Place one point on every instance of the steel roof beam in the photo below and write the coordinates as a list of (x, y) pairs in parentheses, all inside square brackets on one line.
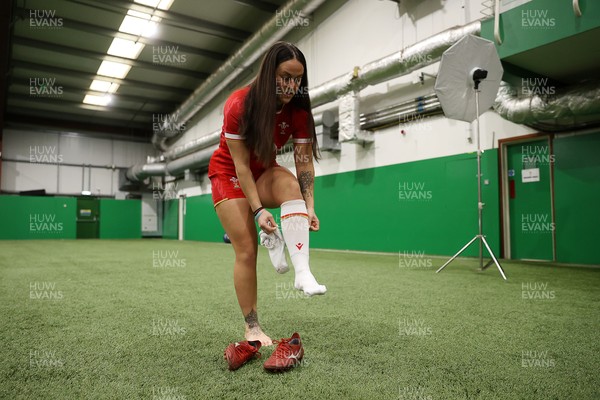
[(169, 18), (90, 76), (103, 31), (62, 49)]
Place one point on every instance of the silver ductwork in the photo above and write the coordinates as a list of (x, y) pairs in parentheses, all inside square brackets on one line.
[(404, 113), (409, 59), (575, 107), (347, 87), (193, 145), (191, 161), (272, 31), (139, 172), (203, 142), (193, 154), (401, 63)]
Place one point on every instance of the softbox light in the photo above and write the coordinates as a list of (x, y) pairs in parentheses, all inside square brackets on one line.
[(454, 83)]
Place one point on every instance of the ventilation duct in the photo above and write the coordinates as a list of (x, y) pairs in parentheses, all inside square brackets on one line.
[(401, 63), (575, 107), (193, 145), (139, 172), (409, 59), (193, 154), (405, 112)]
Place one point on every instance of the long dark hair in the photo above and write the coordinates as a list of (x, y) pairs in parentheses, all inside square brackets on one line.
[(258, 120)]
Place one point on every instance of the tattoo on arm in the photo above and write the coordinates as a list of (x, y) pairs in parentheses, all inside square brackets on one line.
[(251, 319), (306, 180)]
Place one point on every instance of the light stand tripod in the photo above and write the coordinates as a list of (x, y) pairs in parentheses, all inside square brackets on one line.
[(478, 75)]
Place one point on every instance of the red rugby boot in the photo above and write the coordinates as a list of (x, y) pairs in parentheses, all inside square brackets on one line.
[(238, 353), (288, 354)]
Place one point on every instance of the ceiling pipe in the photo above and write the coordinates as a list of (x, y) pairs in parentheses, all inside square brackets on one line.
[(403, 113), (193, 145), (206, 141), (575, 107), (177, 158), (347, 87), (397, 64), (191, 161), (411, 58), (396, 108), (139, 172), (272, 31)]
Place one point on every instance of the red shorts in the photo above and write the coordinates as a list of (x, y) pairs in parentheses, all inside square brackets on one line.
[(225, 187)]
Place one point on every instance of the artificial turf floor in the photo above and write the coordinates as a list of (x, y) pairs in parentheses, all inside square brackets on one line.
[(150, 319)]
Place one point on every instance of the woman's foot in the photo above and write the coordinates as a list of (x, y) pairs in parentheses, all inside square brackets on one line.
[(256, 333), (308, 284)]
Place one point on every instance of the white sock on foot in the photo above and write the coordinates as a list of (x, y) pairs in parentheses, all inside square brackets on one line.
[(294, 226)]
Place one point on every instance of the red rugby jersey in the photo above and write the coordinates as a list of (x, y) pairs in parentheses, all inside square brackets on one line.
[(290, 121)]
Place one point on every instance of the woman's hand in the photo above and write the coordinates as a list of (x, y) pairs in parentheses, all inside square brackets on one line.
[(313, 221), (266, 222)]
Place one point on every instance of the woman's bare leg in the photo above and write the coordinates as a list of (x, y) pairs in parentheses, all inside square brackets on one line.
[(238, 221), (276, 186)]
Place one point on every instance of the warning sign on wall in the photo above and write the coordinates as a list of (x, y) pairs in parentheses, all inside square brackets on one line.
[(530, 175)]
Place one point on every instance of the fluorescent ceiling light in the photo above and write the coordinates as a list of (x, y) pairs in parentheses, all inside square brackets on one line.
[(113, 69), (113, 88), (151, 28), (125, 48), (149, 3), (139, 23), (104, 86), (139, 14), (163, 5), (97, 100), (136, 23), (100, 86)]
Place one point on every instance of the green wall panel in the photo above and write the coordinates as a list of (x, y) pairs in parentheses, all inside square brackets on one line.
[(23, 217), (170, 218), (426, 206), (540, 22), (577, 198), (120, 219), (201, 221)]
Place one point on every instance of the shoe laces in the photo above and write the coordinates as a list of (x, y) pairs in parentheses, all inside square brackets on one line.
[(247, 350), (283, 347)]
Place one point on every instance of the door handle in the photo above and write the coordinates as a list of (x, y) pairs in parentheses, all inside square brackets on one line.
[(511, 189)]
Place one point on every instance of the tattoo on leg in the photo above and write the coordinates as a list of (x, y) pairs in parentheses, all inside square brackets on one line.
[(305, 180), (251, 319)]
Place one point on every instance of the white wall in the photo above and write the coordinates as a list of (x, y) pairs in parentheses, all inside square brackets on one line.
[(60, 162), (362, 31)]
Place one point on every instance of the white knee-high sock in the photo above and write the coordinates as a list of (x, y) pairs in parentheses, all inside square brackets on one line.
[(294, 226)]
